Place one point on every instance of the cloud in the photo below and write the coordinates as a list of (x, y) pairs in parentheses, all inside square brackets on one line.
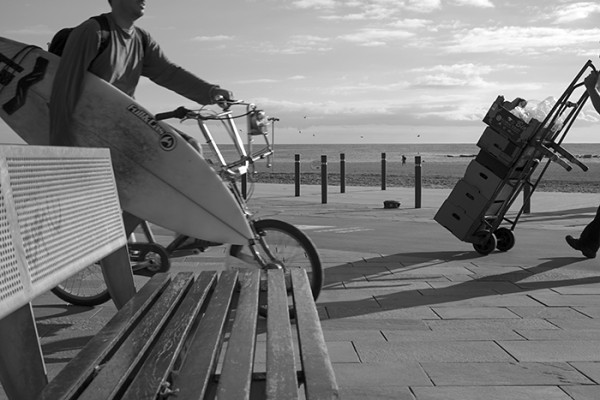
[(318, 4), (518, 40), (34, 30), (216, 38), (376, 37), (423, 6), (475, 3), (455, 75), (574, 12), (300, 44)]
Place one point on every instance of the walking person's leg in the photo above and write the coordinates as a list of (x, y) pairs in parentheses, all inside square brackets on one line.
[(589, 240)]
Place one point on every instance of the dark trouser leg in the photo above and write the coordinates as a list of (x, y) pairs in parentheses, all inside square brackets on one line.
[(590, 236)]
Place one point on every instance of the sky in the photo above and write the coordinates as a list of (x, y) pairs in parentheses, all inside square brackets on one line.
[(357, 71)]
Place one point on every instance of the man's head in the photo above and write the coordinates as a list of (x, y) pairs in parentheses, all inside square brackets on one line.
[(131, 9)]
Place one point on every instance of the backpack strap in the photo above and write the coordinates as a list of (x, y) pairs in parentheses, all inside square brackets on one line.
[(104, 33)]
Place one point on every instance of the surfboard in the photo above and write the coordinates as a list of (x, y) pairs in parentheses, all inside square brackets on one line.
[(160, 177)]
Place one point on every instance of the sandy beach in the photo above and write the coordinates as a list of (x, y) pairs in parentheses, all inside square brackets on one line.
[(433, 174)]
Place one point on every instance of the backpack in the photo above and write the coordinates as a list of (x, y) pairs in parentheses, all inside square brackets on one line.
[(57, 44)]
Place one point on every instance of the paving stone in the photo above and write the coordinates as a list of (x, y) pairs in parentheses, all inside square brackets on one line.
[(474, 312), (373, 375), (490, 393), (399, 285), (593, 289), (564, 300), (366, 324), (583, 392), (374, 335), (451, 335), (407, 299), (573, 324), (437, 351), (491, 288), (487, 324), (376, 312), (559, 334), (590, 369), (498, 373), (376, 393), (342, 352), (554, 350), (548, 312), (593, 312)]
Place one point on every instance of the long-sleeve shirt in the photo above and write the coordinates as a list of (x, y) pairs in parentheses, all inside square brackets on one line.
[(129, 55)]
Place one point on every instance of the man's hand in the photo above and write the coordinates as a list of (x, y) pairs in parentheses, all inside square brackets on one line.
[(218, 94)]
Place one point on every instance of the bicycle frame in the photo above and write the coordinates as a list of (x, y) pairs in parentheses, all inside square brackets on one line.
[(229, 172)]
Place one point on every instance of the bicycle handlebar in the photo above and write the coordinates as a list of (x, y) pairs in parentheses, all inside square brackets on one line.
[(180, 113)]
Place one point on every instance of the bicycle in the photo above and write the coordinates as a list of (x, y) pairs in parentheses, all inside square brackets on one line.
[(275, 243)]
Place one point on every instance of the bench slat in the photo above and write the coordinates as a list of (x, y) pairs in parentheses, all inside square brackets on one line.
[(82, 366), (193, 377), (236, 374), (126, 359), (282, 382), (156, 369), (319, 377)]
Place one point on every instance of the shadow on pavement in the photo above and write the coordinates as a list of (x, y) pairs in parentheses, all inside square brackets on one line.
[(385, 298)]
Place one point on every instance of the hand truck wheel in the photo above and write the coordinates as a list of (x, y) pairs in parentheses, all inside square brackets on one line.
[(505, 239), (486, 244)]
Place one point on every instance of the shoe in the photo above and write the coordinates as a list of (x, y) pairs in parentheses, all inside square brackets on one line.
[(576, 244)]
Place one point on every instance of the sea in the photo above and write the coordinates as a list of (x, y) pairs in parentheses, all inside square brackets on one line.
[(367, 153)]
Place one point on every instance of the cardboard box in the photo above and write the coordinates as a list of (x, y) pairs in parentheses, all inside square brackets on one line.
[(457, 221), (469, 198), (499, 146), (488, 183)]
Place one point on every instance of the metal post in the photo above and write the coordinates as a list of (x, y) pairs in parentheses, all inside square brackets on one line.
[(417, 181), (342, 173), (383, 171), (324, 179), (297, 173)]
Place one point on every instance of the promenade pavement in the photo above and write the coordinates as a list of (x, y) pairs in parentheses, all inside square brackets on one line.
[(410, 312)]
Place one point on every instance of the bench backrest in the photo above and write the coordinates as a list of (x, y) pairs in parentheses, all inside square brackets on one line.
[(59, 213)]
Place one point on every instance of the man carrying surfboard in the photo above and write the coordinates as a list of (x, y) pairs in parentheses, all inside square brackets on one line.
[(130, 53)]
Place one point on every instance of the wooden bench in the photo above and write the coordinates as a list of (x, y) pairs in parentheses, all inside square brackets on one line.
[(186, 335)]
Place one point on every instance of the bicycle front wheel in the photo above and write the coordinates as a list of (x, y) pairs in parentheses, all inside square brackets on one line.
[(85, 288), (282, 244)]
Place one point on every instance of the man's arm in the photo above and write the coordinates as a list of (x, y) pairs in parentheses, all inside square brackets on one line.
[(159, 69), (80, 50)]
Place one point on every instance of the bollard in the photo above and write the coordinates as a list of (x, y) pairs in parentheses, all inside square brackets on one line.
[(297, 174), (383, 171), (342, 173), (417, 181), (323, 179), (527, 198)]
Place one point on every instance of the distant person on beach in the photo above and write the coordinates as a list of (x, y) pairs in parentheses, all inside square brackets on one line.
[(589, 240), (128, 52), (403, 159)]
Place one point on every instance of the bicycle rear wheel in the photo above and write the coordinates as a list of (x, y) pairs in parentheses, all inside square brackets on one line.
[(284, 245), (85, 288)]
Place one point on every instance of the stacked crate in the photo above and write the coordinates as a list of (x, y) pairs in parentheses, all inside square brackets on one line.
[(493, 177)]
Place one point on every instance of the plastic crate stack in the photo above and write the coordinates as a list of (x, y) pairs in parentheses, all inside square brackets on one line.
[(493, 177)]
